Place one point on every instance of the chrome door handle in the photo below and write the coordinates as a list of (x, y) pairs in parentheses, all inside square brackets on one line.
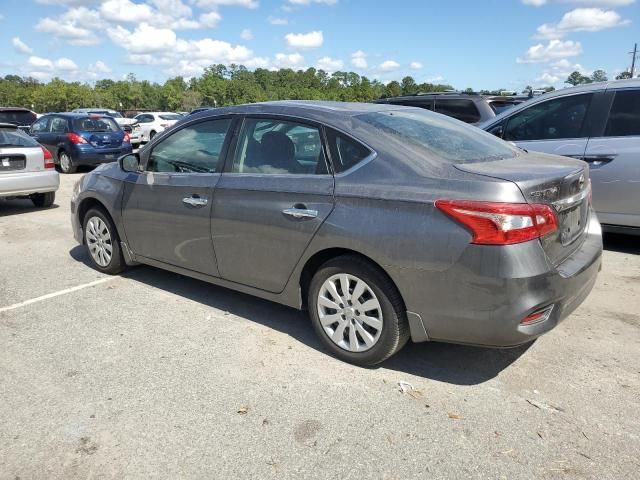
[(300, 213), (195, 201)]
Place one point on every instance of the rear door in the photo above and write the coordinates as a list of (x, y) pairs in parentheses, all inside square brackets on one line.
[(273, 196), (558, 126), (167, 207), (614, 159)]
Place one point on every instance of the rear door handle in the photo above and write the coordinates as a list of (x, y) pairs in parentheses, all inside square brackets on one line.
[(300, 213), (598, 160), (194, 201)]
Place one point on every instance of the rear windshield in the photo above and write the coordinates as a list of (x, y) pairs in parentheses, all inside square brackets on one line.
[(500, 107), (17, 117), (13, 137), (95, 124), (170, 116), (441, 136), (107, 112)]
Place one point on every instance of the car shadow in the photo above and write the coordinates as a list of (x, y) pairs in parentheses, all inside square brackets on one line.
[(618, 242), (456, 364), (20, 206)]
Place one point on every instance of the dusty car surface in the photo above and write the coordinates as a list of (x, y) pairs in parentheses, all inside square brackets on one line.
[(385, 222)]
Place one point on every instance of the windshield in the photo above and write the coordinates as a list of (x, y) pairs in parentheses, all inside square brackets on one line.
[(170, 116), (95, 124), (17, 117), (13, 137), (442, 136)]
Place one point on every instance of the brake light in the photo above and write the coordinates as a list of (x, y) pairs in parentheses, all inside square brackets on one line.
[(75, 138), (127, 138), (48, 158), (538, 316), (493, 223)]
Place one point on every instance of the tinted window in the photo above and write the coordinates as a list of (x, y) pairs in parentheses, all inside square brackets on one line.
[(17, 117), (624, 118), (95, 124), (144, 118), (59, 125), (193, 149), (558, 118), (16, 137), (279, 147), (438, 136), (499, 107), (345, 152), (42, 125), (461, 109)]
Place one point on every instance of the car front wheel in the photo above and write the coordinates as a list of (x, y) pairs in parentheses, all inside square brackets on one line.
[(101, 239), (357, 311)]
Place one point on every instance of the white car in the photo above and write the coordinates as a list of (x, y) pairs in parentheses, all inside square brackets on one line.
[(152, 123), (129, 125), (26, 168)]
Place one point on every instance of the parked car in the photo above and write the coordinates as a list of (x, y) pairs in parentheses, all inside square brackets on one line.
[(129, 125), (152, 123), (598, 123), (21, 117), (26, 168), (385, 222), (469, 108), (76, 139)]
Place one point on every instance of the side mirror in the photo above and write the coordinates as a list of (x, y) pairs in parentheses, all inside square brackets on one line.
[(497, 131), (130, 162)]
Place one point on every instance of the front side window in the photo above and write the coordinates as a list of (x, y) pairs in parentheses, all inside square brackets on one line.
[(461, 109), (345, 152), (624, 117), (42, 125), (193, 149), (551, 120), (279, 147)]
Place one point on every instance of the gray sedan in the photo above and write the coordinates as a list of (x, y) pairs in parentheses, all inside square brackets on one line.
[(386, 223)]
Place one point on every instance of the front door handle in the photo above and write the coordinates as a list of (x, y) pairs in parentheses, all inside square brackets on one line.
[(195, 201), (598, 160), (300, 213)]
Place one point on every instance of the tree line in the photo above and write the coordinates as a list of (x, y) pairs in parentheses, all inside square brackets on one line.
[(219, 85)]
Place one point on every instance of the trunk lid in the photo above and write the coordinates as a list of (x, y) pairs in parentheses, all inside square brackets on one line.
[(102, 132), (548, 179)]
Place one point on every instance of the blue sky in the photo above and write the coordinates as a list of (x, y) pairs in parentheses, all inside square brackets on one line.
[(467, 43)]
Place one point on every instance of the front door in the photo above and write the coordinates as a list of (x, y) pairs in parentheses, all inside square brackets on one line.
[(270, 202), (167, 207)]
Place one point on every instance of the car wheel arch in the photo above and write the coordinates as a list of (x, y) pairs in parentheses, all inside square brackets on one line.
[(87, 204)]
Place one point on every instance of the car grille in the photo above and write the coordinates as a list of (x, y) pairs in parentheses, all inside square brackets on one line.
[(12, 162)]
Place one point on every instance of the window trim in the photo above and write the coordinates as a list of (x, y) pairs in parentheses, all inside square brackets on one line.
[(372, 153), (146, 156), (228, 166)]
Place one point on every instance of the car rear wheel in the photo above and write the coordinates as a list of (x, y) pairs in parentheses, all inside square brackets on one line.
[(101, 239), (357, 311), (66, 164), (43, 200), (151, 135)]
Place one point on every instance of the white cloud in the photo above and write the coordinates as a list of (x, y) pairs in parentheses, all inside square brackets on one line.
[(65, 64), (590, 3), (389, 66), (415, 65), (436, 79), (69, 3), (278, 20), (20, 46), (145, 38), (246, 34), (293, 60), (557, 72), (554, 50), (45, 69), (210, 19), (309, 2), (213, 4), (581, 20), (313, 39), (359, 59), (99, 67), (329, 64), (78, 26)]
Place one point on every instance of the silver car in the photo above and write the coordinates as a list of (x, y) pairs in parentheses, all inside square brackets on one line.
[(26, 168), (384, 222), (598, 123)]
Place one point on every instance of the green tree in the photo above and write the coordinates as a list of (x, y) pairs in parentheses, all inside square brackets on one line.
[(576, 78), (623, 75), (599, 76)]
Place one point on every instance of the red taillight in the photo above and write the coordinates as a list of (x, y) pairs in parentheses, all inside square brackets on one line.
[(127, 138), (493, 223), (75, 138), (48, 158), (538, 316)]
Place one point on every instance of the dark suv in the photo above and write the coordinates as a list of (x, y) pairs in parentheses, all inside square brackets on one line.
[(470, 108), (76, 139)]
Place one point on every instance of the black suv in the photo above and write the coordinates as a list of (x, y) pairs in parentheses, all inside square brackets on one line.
[(470, 108)]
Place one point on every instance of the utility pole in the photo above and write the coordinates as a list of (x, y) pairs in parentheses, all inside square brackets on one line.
[(634, 55)]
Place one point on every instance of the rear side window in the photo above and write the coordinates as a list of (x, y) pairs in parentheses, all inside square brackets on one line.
[(345, 152), (13, 137), (461, 109), (624, 118), (95, 124), (551, 120), (59, 125)]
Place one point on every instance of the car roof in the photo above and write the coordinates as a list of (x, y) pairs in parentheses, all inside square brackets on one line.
[(431, 96), (95, 109), (14, 109), (70, 115)]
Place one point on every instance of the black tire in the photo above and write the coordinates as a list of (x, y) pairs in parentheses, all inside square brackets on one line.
[(43, 200), (66, 163), (395, 327), (116, 263)]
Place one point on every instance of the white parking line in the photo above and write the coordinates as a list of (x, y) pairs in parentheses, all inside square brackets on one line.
[(55, 294)]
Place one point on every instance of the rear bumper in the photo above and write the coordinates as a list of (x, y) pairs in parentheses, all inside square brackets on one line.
[(482, 299), (26, 183), (92, 156)]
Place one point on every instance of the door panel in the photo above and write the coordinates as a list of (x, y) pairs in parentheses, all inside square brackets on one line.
[(574, 147)]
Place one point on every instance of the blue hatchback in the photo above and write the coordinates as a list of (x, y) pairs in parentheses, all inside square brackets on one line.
[(76, 139)]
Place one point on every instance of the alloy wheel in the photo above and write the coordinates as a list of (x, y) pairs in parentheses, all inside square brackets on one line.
[(350, 312), (65, 162), (99, 241)]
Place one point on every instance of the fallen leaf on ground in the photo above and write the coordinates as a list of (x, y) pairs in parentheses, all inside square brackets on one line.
[(243, 410), (455, 416)]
